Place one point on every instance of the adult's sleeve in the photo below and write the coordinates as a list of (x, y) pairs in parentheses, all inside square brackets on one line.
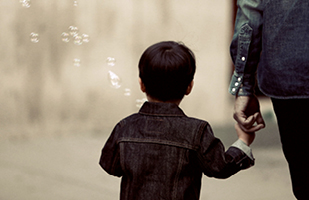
[(246, 46)]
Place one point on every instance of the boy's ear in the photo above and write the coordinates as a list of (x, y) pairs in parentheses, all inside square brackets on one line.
[(190, 86), (142, 86)]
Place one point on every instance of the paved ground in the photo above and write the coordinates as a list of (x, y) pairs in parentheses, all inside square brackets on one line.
[(66, 168)]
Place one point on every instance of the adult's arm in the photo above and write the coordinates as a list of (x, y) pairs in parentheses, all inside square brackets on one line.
[(245, 49)]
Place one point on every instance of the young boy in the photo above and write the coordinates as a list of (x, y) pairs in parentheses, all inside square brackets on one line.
[(159, 152)]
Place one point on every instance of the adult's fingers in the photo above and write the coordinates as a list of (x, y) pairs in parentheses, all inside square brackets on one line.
[(260, 120), (251, 124), (243, 120)]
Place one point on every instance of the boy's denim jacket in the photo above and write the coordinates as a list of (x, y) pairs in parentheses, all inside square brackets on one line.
[(161, 154), (273, 34)]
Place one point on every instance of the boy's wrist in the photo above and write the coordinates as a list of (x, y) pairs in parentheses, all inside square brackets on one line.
[(240, 144), (245, 141), (245, 137)]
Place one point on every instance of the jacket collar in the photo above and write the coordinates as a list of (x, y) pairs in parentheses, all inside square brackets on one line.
[(161, 109)]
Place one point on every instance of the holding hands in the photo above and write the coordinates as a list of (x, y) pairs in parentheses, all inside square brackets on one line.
[(248, 117), (247, 113)]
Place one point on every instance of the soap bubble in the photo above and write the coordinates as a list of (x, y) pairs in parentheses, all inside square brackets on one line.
[(25, 3), (114, 80), (34, 37), (73, 30), (127, 92), (85, 38), (65, 37), (75, 3), (76, 62), (111, 61), (78, 40), (140, 102)]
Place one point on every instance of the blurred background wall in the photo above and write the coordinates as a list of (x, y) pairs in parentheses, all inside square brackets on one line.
[(56, 80)]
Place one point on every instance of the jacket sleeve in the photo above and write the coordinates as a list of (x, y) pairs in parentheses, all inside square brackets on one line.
[(246, 46), (110, 155), (215, 162)]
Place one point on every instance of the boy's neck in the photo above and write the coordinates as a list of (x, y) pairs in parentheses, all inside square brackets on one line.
[(150, 99)]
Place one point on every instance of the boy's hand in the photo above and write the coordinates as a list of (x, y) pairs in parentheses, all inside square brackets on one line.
[(245, 137)]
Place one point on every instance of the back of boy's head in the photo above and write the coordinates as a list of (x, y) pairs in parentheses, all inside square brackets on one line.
[(167, 69)]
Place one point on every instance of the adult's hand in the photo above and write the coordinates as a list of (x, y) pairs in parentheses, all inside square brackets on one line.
[(247, 113)]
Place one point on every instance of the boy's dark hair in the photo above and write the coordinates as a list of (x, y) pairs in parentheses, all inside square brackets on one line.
[(166, 69)]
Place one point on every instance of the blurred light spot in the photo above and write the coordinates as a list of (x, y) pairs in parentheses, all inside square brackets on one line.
[(140, 102), (127, 92), (73, 30), (85, 38), (76, 62), (111, 61), (114, 80), (25, 3), (78, 40), (65, 37), (34, 37)]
